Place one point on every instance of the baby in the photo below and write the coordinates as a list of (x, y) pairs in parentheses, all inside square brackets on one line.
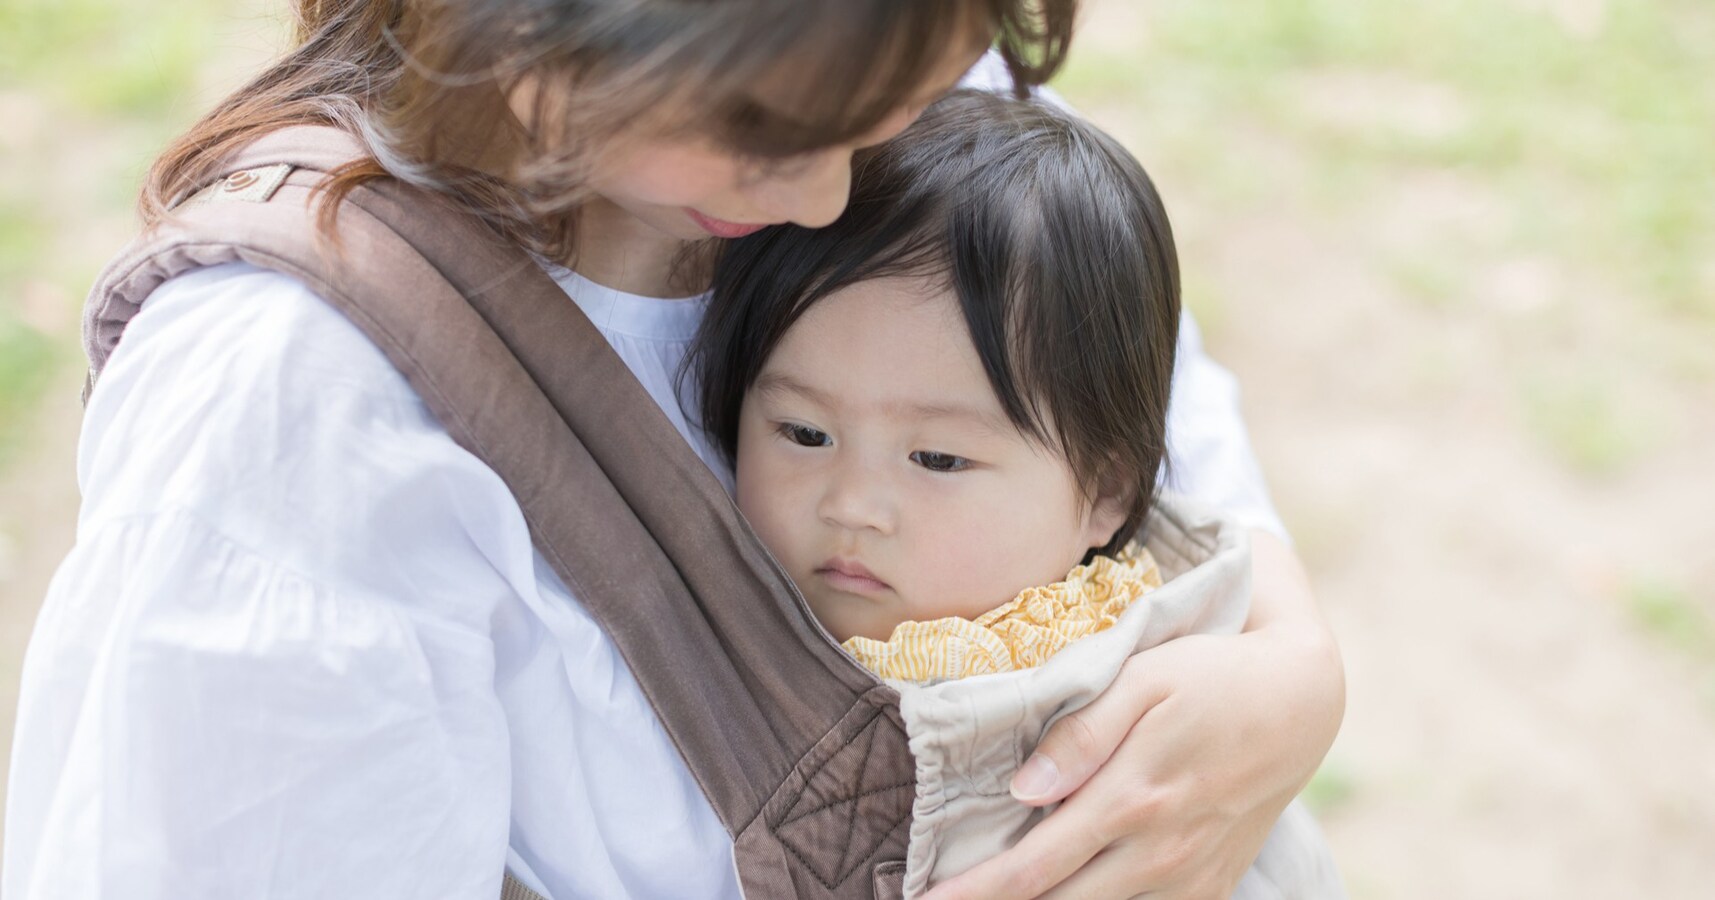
[(947, 413)]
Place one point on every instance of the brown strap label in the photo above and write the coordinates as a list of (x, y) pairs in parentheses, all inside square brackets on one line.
[(255, 185)]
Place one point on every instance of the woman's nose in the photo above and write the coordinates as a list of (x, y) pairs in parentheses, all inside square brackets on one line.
[(856, 499), (815, 195)]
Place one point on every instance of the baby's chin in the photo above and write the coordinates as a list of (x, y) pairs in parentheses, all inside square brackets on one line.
[(846, 616)]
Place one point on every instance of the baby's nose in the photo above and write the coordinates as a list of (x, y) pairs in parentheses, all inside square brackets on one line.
[(857, 501)]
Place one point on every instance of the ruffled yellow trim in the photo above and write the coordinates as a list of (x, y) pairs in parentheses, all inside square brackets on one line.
[(1019, 634)]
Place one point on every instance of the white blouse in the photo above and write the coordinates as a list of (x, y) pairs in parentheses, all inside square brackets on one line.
[(305, 648)]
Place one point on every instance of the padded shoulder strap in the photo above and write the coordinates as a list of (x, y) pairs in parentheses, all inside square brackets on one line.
[(801, 752)]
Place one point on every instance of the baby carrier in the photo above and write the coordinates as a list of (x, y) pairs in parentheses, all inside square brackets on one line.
[(803, 754)]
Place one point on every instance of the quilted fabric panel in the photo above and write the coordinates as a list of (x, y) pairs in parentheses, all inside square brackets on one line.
[(850, 805)]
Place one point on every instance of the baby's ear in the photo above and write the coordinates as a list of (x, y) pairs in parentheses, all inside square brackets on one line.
[(1109, 511)]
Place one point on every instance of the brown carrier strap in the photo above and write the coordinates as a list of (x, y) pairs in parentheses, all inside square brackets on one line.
[(513, 889), (802, 753)]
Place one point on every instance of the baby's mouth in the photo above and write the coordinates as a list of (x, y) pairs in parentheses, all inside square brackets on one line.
[(851, 576)]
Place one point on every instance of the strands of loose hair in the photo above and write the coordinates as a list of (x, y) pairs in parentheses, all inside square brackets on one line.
[(425, 87)]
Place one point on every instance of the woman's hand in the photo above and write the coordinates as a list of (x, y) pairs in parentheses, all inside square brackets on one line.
[(1173, 778)]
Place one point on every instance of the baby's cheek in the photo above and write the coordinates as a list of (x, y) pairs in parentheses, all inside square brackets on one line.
[(958, 563), (762, 503), (1006, 541)]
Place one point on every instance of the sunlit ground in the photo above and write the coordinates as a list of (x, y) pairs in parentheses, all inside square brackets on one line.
[(1462, 257)]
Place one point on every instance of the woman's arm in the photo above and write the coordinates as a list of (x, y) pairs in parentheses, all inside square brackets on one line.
[(262, 670), (1173, 778)]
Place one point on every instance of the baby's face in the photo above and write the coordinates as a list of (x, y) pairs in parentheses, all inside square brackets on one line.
[(876, 463)]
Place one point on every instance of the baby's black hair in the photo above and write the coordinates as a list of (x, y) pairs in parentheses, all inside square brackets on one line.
[(1054, 241)]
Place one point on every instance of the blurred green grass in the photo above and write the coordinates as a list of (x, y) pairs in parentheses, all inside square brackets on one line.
[(27, 356), (1670, 613), (1604, 127), (1331, 788), (1545, 162), (91, 89), (106, 57), (1585, 423)]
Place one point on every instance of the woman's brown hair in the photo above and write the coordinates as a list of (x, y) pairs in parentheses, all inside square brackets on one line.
[(424, 84)]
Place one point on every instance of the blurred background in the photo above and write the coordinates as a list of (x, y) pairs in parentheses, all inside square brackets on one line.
[(1461, 256)]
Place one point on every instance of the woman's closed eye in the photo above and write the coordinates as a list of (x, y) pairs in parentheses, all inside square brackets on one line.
[(936, 461), (803, 435)]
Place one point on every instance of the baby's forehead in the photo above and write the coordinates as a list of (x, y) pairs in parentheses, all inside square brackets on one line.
[(893, 322), (899, 402)]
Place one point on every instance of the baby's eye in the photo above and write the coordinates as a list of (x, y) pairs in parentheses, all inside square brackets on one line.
[(803, 435), (940, 462)]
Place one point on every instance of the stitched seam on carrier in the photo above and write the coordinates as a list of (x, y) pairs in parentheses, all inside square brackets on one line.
[(845, 874), (852, 799)]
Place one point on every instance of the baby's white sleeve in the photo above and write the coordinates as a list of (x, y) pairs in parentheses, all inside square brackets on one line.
[(266, 668)]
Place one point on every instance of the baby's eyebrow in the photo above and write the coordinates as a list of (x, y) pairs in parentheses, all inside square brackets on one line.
[(976, 416), (777, 383)]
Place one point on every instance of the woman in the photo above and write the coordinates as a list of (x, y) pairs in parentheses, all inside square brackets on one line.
[(305, 641)]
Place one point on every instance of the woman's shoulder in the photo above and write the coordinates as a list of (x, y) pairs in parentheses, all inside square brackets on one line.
[(244, 327), (239, 395)]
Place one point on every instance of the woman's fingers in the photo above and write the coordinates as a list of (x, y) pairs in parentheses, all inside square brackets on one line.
[(1055, 848), (1082, 742), (1121, 869), (1173, 778), (1088, 822), (1106, 840)]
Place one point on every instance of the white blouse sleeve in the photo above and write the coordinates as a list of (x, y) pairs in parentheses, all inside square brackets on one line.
[(1208, 450), (266, 668)]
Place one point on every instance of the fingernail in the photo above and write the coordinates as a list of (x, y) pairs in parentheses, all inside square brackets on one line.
[(1035, 779)]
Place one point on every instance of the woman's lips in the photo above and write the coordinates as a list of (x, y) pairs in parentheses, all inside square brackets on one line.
[(851, 576), (723, 229)]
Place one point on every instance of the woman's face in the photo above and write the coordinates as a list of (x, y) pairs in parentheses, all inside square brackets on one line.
[(692, 188)]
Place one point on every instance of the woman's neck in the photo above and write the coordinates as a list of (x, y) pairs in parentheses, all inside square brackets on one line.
[(616, 250)]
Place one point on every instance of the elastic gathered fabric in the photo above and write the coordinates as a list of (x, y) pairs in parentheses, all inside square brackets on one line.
[(1021, 633)]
